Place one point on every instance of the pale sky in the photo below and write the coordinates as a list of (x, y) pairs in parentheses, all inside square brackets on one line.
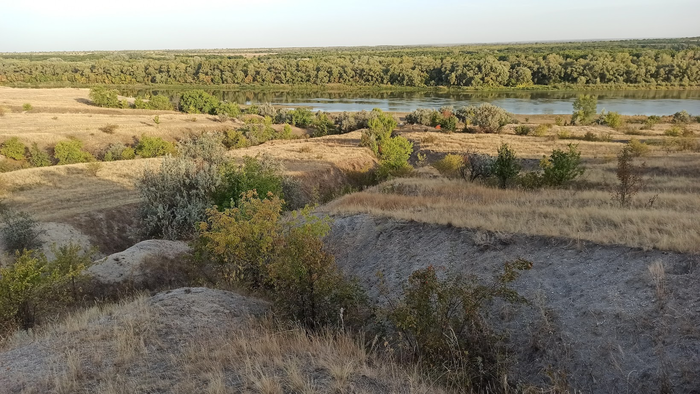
[(81, 25)]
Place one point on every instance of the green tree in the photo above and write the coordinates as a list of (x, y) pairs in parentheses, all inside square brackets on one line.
[(198, 101), (71, 152), (561, 166), (507, 166), (103, 97), (263, 175), (585, 109)]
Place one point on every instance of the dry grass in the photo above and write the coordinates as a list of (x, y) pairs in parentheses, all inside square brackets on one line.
[(657, 272), (577, 214), (131, 347)]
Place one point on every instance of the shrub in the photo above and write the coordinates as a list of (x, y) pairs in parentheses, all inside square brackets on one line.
[(286, 132), (477, 165), (541, 130), (629, 177), (156, 119), (447, 123), (559, 121), (488, 117), (394, 153), (198, 101), (231, 110), (449, 165), (153, 147), (71, 152), (531, 180), (682, 117), (585, 108), (27, 107), (175, 198), (561, 166), (161, 103), (207, 147), (323, 125), (440, 325), (235, 139), (266, 109), (109, 129), (283, 259), (612, 119), (264, 175), (252, 109), (20, 230), (523, 130), (638, 148), (38, 157), (421, 116), (103, 97), (13, 149), (301, 117), (506, 167)]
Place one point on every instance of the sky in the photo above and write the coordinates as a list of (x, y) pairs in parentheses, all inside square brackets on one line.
[(85, 25)]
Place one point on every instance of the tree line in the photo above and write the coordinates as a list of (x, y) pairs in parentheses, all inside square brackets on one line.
[(473, 67)]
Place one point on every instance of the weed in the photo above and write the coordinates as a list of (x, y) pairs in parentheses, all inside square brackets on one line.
[(109, 129), (27, 107)]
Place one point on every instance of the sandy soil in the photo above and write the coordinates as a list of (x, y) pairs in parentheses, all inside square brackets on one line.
[(595, 313)]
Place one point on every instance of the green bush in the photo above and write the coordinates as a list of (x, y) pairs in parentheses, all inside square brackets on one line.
[(206, 147), (266, 109), (559, 121), (421, 116), (523, 130), (198, 102), (103, 97), (13, 149), (282, 259), (488, 117), (176, 197), (650, 122), (637, 148), (153, 147), (612, 119), (394, 153), (231, 110), (323, 125), (71, 152), (27, 107), (682, 117), (541, 130), (302, 117), (20, 230), (264, 175), (441, 328), (38, 157), (507, 166), (449, 165), (585, 109), (161, 103), (561, 166)]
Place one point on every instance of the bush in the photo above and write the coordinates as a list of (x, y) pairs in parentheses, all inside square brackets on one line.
[(263, 175), (477, 165), (207, 147), (198, 102), (20, 230), (421, 116), (650, 122), (449, 165), (561, 166), (323, 125), (637, 148), (488, 117), (231, 110), (27, 107), (559, 121), (542, 129), (301, 117), (38, 157), (585, 109), (682, 117), (283, 259), (153, 147), (447, 123), (523, 130), (109, 129), (267, 109), (176, 198), (440, 326), (103, 97), (394, 153), (235, 139), (13, 149), (71, 152), (161, 103), (612, 119), (506, 167)]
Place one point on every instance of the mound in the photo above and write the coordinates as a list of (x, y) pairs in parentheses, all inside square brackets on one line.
[(606, 318), (57, 235), (129, 264)]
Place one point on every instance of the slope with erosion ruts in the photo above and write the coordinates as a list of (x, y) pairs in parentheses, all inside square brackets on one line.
[(595, 315)]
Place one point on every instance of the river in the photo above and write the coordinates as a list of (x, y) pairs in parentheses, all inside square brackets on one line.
[(627, 102)]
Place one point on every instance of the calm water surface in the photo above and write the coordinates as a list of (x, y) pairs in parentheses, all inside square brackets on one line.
[(629, 102)]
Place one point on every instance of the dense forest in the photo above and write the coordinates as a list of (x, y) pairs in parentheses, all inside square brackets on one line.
[(673, 62)]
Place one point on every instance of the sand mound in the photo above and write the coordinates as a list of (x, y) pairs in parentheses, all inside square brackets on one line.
[(129, 264)]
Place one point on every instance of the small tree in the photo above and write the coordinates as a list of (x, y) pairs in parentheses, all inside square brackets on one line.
[(585, 108), (629, 178), (264, 175), (38, 157), (103, 97), (71, 152), (198, 101), (20, 230), (488, 117), (153, 147), (562, 166), (506, 166), (477, 165)]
